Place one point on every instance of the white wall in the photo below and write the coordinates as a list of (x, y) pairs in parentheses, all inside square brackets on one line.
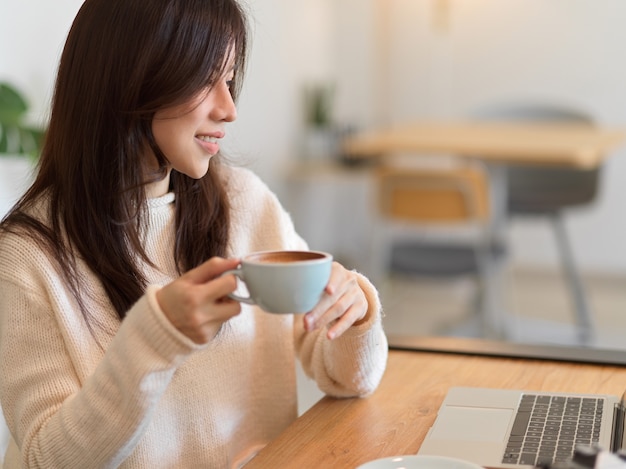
[(564, 51), (291, 46), (32, 33)]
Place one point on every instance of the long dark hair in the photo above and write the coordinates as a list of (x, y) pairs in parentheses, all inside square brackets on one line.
[(123, 60)]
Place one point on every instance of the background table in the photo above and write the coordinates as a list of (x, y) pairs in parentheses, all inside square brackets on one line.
[(565, 145), (497, 144), (343, 433)]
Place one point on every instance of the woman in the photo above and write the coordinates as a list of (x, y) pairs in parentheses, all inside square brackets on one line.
[(119, 346)]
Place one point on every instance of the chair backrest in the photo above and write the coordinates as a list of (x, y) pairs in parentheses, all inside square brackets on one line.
[(539, 189), (533, 113), (432, 222), (432, 195)]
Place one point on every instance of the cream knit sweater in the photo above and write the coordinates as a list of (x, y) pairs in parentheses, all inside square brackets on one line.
[(150, 397)]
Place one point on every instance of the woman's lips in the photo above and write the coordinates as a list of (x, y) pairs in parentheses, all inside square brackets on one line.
[(209, 143)]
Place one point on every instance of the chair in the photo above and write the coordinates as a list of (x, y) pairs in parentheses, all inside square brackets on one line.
[(548, 192), (419, 215)]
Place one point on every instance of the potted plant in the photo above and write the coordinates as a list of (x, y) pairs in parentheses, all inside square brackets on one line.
[(319, 130), (20, 144), (16, 136)]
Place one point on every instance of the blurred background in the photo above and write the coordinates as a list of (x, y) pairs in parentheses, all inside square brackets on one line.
[(323, 69)]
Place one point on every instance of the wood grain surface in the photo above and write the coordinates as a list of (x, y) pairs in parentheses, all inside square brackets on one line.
[(344, 433)]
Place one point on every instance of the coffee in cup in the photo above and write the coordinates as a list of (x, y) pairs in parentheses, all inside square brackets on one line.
[(284, 282)]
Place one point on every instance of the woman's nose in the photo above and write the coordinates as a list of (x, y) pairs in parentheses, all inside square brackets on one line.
[(224, 109)]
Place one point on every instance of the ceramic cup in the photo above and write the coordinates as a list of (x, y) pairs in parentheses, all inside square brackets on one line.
[(284, 282), (419, 461)]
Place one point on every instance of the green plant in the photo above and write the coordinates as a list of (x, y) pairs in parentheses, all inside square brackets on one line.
[(318, 100), (16, 136)]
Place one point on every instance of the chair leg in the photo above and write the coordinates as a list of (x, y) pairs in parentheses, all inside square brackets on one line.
[(379, 256), (581, 307), (491, 314)]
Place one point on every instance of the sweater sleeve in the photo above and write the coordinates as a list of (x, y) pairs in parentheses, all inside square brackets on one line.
[(352, 364), (57, 417)]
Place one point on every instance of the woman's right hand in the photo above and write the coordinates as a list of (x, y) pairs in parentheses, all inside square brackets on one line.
[(197, 303)]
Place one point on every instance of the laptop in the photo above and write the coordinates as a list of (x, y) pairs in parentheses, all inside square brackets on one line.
[(498, 428)]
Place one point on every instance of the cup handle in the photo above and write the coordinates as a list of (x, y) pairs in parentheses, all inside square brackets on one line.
[(239, 274)]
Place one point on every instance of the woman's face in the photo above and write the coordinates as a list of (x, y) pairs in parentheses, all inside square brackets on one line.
[(189, 134)]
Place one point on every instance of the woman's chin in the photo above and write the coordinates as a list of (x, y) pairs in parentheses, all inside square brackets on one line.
[(198, 172)]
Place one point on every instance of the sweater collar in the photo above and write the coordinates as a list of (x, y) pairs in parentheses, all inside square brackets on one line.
[(162, 201)]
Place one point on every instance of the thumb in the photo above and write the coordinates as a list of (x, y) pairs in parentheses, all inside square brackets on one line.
[(210, 269)]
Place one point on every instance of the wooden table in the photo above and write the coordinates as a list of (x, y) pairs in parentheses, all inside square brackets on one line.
[(343, 433), (563, 145)]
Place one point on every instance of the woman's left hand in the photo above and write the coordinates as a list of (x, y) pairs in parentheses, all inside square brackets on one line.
[(342, 304)]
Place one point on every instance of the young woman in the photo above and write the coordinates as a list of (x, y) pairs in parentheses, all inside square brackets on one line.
[(118, 344)]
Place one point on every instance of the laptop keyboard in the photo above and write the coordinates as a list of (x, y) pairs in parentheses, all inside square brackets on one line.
[(547, 428)]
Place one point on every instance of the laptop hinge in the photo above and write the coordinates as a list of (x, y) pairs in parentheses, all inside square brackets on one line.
[(617, 441)]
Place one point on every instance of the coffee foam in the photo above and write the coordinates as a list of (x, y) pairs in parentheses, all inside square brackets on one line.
[(279, 257)]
